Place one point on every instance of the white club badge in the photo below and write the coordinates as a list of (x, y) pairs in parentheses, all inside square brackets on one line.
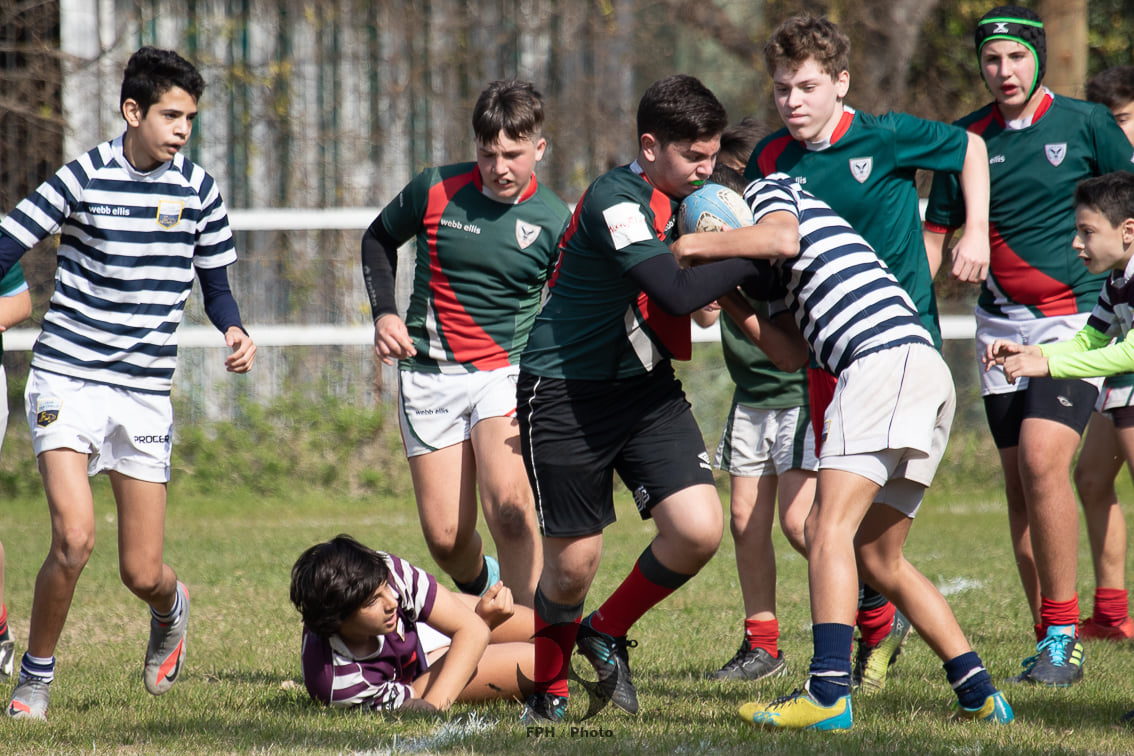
[(526, 233), (860, 168), (1055, 153)]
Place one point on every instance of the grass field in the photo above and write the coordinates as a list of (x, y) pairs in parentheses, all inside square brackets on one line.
[(241, 690)]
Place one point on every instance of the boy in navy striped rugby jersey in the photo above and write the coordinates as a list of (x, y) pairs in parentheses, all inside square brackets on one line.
[(136, 221), (886, 429)]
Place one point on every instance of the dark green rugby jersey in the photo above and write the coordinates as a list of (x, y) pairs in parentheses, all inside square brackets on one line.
[(1034, 272), (597, 324), (759, 383), (867, 176), (479, 269)]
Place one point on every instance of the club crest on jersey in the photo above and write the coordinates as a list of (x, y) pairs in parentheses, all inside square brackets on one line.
[(860, 168), (47, 412), (169, 213), (1055, 152), (526, 233)]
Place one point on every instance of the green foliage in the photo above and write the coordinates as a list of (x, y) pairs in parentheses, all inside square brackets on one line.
[(322, 443)]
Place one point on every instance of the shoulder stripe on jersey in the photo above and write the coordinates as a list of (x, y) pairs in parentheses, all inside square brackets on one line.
[(769, 156), (467, 341)]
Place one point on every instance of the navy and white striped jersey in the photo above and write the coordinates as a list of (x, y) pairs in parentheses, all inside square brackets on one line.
[(845, 301), (128, 245)]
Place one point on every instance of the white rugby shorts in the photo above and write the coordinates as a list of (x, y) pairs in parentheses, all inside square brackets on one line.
[(757, 442), (889, 421), (130, 432), (437, 410), (1114, 397)]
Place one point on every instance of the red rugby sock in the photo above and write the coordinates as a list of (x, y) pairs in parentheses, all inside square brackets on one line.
[(1059, 612), (636, 596), (1111, 606), (763, 634), (553, 647), (875, 624)]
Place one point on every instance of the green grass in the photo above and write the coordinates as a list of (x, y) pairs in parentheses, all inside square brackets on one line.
[(248, 497), (241, 690)]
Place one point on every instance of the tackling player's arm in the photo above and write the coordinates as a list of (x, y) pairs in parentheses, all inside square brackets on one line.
[(379, 267), (778, 337), (680, 291), (775, 236)]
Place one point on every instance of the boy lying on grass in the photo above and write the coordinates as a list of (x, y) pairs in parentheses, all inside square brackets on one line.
[(366, 641)]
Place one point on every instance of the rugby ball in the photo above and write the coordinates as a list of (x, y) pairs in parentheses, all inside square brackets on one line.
[(713, 207)]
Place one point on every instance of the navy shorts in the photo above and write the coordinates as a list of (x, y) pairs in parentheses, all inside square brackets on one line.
[(576, 434), (1068, 401)]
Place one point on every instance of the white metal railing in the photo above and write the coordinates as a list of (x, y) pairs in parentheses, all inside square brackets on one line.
[(327, 334)]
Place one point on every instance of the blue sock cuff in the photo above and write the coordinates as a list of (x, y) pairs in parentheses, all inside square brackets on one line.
[(969, 679), (830, 665), (832, 643), (41, 668)]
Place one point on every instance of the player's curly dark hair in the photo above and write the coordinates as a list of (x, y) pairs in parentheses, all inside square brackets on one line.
[(511, 106), (680, 108), (152, 72), (332, 580), (803, 37)]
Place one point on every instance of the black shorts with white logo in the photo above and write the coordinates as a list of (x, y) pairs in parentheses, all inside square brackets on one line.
[(1068, 401), (576, 434)]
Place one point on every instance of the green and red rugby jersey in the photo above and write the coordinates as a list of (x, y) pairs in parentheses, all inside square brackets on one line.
[(1034, 272), (759, 383), (479, 269), (867, 176), (597, 323)]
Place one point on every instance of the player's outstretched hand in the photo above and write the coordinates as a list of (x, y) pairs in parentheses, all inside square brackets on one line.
[(391, 339), (970, 258), (243, 351), (495, 606), (1000, 350)]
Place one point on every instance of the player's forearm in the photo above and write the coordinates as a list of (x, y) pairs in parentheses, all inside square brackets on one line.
[(466, 647), (379, 269), (1109, 360), (15, 309), (974, 186), (778, 338), (220, 305), (775, 236), (680, 291)]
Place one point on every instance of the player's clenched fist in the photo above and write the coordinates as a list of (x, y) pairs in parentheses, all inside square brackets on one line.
[(495, 605), (243, 351), (391, 339)]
